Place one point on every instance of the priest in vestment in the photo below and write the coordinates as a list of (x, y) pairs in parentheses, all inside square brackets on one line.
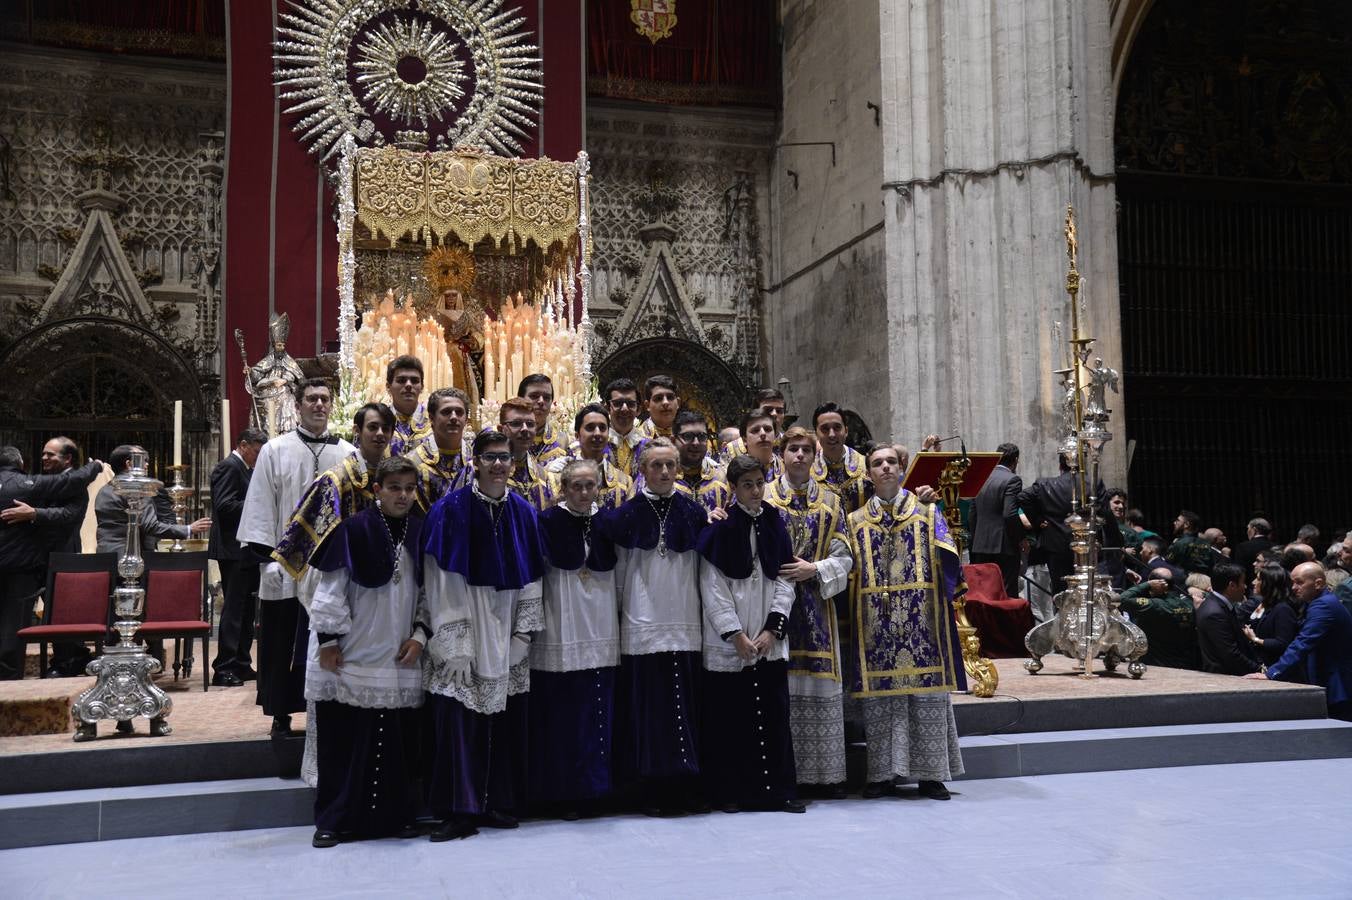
[(621, 400), (482, 568), (904, 658), (528, 476), (592, 427), (771, 400), (662, 401), (701, 477), (656, 570), (839, 467), (819, 571), (537, 390), (404, 382), (575, 658), (363, 676), (747, 744), (443, 465), (285, 468)]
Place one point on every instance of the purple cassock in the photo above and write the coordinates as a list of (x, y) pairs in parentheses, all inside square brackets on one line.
[(482, 568), (657, 735), (573, 663)]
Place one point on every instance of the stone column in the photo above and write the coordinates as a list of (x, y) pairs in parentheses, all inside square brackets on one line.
[(995, 116)]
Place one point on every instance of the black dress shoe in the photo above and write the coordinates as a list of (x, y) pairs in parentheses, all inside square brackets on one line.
[(836, 792), (281, 727), (730, 808), (934, 790), (794, 806), (570, 815), (411, 830), (226, 679), (452, 830), (875, 789), (324, 839), (495, 819)]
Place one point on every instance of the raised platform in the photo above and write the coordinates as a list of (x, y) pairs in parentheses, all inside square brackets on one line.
[(219, 771)]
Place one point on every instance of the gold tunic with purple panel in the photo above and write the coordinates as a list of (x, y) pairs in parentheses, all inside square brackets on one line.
[(410, 431), (849, 480), (439, 473), (906, 576)]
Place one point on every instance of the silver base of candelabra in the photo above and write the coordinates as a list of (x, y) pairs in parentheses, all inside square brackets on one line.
[(124, 690), (1086, 628)]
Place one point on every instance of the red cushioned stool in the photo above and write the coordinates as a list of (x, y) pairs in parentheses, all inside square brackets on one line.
[(176, 607), (1001, 621)]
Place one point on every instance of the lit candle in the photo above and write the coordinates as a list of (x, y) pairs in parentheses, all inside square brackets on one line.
[(225, 428), (178, 432)]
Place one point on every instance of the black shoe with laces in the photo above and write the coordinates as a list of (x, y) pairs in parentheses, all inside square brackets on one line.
[(934, 790)]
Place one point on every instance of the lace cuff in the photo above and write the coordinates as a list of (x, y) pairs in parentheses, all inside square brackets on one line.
[(455, 639)]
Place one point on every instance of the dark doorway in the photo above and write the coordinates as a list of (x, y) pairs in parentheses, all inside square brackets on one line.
[(1234, 153)]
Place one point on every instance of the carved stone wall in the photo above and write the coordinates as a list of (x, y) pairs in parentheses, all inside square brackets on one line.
[(148, 134), (679, 202)]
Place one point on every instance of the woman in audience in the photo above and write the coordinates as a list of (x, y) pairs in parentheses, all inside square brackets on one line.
[(1274, 623)]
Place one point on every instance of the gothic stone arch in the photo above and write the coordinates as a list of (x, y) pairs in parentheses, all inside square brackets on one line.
[(101, 381), (706, 382)]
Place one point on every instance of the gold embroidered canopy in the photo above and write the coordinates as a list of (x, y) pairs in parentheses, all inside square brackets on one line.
[(467, 195)]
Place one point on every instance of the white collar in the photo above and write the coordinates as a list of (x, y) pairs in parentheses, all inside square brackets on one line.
[(754, 515), (310, 434), (651, 496), (575, 513), (474, 485)]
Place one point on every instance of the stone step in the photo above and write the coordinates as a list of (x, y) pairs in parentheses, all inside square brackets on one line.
[(60, 817)]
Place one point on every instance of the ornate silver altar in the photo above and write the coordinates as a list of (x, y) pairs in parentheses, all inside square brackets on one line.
[(1087, 623), (125, 689)]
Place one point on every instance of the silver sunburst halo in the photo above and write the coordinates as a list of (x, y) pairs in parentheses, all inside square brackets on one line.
[(430, 94), (502, 76)]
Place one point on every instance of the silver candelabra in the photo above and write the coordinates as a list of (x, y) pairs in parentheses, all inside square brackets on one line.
[(180, 494), (1087, 623), (124, 688)]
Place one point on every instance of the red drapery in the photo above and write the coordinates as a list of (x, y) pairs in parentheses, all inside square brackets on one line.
[(193, 28), (720, 51), (280, 239)]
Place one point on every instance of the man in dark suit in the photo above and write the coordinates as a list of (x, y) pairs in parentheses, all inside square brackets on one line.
[(59, 527), (1219, 637), (1259, 539), (996, 529), (229, 485), (23, 547), (1047, 504), (1321, 652)]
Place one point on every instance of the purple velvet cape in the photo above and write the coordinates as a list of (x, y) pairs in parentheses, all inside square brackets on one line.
[(561, 534), (727, 543), (360, 545), (459, 535), (634, 524)]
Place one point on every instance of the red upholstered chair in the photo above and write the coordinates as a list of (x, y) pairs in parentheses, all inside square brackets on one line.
[(1001, 621), (176, 607), (77, 602)]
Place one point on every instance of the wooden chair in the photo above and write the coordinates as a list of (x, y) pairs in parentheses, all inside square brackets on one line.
[(177, 607), (77, 604)]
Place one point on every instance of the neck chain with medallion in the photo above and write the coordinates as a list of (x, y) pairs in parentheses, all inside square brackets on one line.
[(396, 546)]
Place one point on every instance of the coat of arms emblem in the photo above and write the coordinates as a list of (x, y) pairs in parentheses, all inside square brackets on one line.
[(654, 18)]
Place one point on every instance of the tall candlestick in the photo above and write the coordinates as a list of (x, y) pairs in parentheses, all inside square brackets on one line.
[(226, 446), (178, 432)]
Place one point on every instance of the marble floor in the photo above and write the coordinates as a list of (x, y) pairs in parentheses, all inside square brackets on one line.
[(1233, 831)]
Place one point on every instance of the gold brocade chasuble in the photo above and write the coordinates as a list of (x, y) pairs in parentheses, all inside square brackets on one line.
[(337, 494), (813, 517), (906, 575)]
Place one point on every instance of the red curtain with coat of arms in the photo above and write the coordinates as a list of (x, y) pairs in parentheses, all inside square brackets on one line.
[(719, 52)]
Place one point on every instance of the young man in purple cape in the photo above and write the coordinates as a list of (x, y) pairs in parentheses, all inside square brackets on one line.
[(748, 748), (574, 660), (657, 738), (368, 628), (482, 569)]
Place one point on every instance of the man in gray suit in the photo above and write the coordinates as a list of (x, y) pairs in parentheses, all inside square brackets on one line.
[(996, 529), (110, 514)]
